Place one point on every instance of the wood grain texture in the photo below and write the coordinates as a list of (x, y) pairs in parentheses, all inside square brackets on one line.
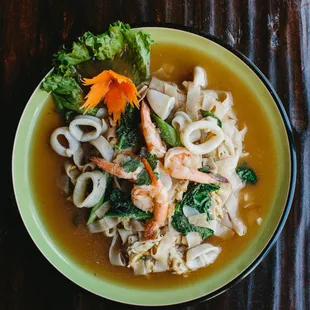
[(274, 34)]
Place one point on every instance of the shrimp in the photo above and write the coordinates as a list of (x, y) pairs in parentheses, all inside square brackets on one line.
[(151, 136), (115, 168), (160, 211), (141, 197), (184, 165), (153, 197)]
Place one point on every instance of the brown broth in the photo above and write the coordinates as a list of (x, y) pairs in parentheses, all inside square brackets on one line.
[(67, 224)]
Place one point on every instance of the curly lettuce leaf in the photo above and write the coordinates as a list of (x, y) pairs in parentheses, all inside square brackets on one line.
[(106, 45), (66, 62), (137, 53), (67, 94)]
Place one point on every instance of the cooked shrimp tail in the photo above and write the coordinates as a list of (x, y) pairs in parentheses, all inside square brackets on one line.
[(152, 139), (151, 229), (183, 165), (114, 168)]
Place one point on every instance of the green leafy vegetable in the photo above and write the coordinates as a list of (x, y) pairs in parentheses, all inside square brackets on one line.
[(205, 169), (209, 113), (121, 206), (247, 174), (104, 198), (128, 132), (152, 159), (108, 44), (182, 225), (66, 92), (143, 177), (131, 164), (196, 197), (167, 132), (66, 62), (137, 53), (93, 215)]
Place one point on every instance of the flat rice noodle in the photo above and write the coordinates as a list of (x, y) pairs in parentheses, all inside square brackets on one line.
[(139, 268), (177, 262), (193, 239), (220, 230), (161, 103), (124, 234), (157, 84), (231, 206), (200, 77), (163, 72), (171, 90), (193, 101), (181, 97), (189, 211), (165, 244), (235, 181), (226, 167), (209, 99), (110, 232), (160, 266), (139, 248), (132, 239), (126, 222), (104, 224), (103, 209), (199, 219), (115, 256), (137, 226), (142, 92), (222, 151)]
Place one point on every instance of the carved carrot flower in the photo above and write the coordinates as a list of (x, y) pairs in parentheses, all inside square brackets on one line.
[(115, 89)]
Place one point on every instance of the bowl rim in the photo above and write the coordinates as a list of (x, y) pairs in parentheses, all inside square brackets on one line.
[(291, 146)]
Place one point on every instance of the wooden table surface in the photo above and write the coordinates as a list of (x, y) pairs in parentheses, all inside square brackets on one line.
[(274, 34)]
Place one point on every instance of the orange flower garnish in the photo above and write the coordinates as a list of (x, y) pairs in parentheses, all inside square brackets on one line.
[(116, 90)]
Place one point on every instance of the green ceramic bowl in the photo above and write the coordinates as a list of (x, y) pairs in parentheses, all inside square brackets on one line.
[(228, 275)]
